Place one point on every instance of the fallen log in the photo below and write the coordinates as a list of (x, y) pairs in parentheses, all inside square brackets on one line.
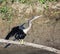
[(32, 45)]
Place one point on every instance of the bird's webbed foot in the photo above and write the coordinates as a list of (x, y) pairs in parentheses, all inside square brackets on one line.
[(21, 41)]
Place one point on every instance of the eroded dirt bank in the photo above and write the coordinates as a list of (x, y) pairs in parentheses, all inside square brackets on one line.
[(45, 31)]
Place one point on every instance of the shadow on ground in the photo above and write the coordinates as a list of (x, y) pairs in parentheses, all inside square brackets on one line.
[(23, 50)]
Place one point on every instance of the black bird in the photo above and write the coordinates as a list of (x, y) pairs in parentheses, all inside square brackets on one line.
[(17, 32), (20, 31)]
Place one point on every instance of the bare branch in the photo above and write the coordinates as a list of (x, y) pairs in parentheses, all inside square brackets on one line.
[(32, 45)]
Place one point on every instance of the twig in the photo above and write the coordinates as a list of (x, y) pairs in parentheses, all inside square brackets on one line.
[(32, 45), (57, 6)]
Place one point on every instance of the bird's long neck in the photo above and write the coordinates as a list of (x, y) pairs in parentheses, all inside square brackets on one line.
[(27, 29), (30, 24)]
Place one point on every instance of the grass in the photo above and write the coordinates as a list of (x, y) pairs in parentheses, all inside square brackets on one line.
[(44, 1), (6, 11)]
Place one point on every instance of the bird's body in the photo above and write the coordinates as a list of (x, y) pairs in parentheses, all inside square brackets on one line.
[(17, 33), (20, 31)]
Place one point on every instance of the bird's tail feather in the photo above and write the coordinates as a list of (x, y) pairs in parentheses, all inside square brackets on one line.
[(8, 44)]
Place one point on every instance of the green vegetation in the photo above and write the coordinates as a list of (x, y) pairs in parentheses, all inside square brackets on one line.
[(1, 1), (6, 12), (44, 1), (22, 1), (27, 1)]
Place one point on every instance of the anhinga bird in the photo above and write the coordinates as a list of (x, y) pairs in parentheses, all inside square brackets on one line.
[(20, 31)]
